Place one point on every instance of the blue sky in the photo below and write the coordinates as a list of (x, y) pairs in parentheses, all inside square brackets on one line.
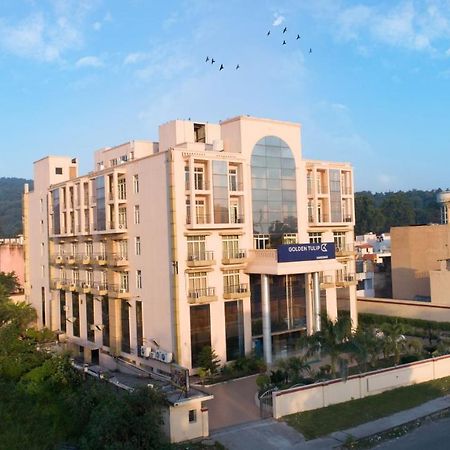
[(76, 75)]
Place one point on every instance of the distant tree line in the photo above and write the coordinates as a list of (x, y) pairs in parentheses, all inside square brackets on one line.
[(11, 190), (380, 211)]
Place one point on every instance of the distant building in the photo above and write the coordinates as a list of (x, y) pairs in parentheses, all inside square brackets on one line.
[(168, 247), (373, 253), (12, 257)]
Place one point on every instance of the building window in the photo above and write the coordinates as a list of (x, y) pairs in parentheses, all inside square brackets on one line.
[(137, 215), (122, 217), (230, 246), (261, 241), (289, 238), (122, 250), (231, 281), (200, 211), (200, 331), (233, 179), (44, 321), (234, 330), (89, 248), (139, 279), (137, 245), (315, 238), (186, 177), (90, 317), (197, 283), (339, 240), (136, 184), (139, 325), (105, 320), (199, 178), (125, 318), (196, 247), (62, 310), (124, 282), (76, 313), (58, 170), (192, 415), (122, 188), (220, 192), (234, 212)]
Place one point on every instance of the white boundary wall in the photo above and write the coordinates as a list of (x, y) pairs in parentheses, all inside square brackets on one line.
[(319, 395)]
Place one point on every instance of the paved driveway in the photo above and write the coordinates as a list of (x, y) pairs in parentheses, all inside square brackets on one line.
[(233, 403)]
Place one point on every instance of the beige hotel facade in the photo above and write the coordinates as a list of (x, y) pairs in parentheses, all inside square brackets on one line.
[(167, 247)]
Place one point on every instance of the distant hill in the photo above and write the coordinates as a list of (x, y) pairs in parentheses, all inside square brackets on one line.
[(11, 190), (380, 211)]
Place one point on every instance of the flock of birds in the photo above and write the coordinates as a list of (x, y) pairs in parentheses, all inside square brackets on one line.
[(221, 67)]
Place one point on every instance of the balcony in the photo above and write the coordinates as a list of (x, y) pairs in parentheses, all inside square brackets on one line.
[(117, 260), (345, 249), (326, 282), (345, 280), (201, 259), (207, 221), (73, 285), (204, 295), (100, 288), (57, 283), (347, 218), (85, 258), (100, 259), (57, 259), (236, 291), (237, 257), (84, 287), (70, 259), (118, 291)]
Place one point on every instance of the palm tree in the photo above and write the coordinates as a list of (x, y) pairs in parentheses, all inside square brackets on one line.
[(295, 366), (332, 339), (365, 347), (394, 340)]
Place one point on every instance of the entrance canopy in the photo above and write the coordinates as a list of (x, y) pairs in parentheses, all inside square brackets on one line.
[(266, 262)]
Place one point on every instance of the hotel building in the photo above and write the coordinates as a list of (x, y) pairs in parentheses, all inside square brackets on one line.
[(167, 247)]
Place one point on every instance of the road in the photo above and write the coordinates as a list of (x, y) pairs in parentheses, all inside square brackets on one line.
[(433, 435)]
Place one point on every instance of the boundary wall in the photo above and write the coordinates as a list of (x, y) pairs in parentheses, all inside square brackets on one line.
[(320, 395)]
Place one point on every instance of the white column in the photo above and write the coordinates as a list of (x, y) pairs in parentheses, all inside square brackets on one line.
[(309, 305), (316, 300), (265, 306)]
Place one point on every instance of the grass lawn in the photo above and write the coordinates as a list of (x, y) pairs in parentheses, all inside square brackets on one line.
[(320, 422)]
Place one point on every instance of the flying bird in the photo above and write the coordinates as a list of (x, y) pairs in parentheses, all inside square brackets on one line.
[(212, 61), (310, 50), (285, 29), (207, 59), (298, 36), (221, 67), (237, 67), (268, 33), (284, 43)]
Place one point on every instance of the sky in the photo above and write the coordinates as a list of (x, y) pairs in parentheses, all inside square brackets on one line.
[(78, 75)]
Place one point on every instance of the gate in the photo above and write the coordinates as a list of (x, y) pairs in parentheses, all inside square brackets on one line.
[(266, 403)]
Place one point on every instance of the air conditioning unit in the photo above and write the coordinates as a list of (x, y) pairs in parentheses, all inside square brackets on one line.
[(193, 258), (163, 356), (241, 255), (123, 290), (242, 289), (145, 352)]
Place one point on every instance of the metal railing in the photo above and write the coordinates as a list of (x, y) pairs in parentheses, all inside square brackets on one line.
[(235, 254), (204, 292), (114, 258), (240, 288), (345, 277), (344, 247), (205, 255)]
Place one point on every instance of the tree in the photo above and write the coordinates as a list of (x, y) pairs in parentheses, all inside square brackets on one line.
[(332, 339), (365, 347), (295, 367), (368, 216), (208, 360), (394, 340), (9, 281), (398, 210)]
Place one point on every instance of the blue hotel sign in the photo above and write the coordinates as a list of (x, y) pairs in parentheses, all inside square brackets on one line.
[(306, 252)]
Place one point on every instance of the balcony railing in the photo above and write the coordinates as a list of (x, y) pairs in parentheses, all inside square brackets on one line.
[(345, 249), (202, 295), (100, 259), (347, 218), (59, 283), (85, 258), (118, 291), (236, 291), (117, 259), (323, 218), (202, 258), (236, 186), (234, 257), (345, 279), (100, 288), (326, 281)]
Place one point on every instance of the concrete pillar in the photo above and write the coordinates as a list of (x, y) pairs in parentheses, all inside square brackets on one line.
[(115, 326), (331, 299), (316, 300), (309, 305), (265, 306), (353, 307)]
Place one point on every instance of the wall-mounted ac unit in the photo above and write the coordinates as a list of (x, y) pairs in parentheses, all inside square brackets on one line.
[(145, 352), (163, 356)]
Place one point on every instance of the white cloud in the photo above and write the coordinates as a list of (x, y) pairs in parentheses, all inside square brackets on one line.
[(136, 57), (97, 26), (47, 36), (89, 61), (278, 20)]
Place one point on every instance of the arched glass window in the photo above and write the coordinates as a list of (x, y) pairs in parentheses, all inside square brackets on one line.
[(273, 190)]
